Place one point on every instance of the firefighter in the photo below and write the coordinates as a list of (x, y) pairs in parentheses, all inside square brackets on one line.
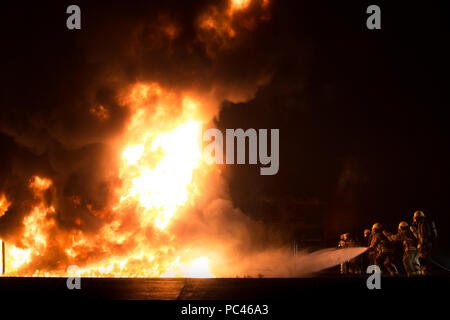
[(368, 256), (354, 265), (409, 242), (381, 247), (342, 244), (425, 233), (367, 236)]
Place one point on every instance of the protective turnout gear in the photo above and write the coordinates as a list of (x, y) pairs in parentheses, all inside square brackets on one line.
[(377, 226), (418, 215), (354, 266), (368, 257), (402, 225), (409, 243), (351, 266), (380, 246), (342, 244), (425, 235)]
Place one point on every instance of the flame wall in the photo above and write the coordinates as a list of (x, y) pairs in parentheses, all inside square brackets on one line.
[(106, 171)]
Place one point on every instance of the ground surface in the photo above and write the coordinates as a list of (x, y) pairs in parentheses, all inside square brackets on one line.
[(324, 297), (222, 289)]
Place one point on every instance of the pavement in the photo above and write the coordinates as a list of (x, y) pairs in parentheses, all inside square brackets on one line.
[(220, 289)]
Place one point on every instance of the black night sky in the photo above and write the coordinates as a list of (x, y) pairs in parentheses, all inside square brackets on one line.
[(362, 114)]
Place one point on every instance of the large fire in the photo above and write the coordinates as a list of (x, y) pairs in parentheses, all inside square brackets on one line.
[(160, 151), (158, 175)]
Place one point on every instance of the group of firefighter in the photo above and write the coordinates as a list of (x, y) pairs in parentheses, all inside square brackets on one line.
[(412, 243)]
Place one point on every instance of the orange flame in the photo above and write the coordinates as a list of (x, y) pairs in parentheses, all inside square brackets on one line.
[(161, 176), (4, 205), (217, 28), (160, 152), (40, 184), (239, 4)]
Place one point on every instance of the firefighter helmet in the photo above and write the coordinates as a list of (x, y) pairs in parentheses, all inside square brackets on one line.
[(403, 225), (418, 214), (346, 236), (377, 226)]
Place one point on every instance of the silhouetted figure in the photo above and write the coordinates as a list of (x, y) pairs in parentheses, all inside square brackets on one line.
[(425, 233), (409, 242), (382, 248)]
